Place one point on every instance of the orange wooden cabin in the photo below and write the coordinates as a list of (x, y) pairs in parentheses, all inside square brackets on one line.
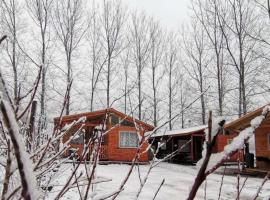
[(262, 138), (118, 144)]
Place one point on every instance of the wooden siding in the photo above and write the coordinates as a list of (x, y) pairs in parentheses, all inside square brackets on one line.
[(261, 142), (116, 153), (222, 141)]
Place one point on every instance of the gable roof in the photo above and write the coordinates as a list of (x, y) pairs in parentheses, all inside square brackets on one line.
[(101, 113), (181, 132), (244, 121)]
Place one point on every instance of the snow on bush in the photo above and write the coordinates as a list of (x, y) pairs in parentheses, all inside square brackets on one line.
[(24, 156)]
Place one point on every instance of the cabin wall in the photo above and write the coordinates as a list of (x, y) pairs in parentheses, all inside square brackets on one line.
[(262, 147), (117, 153), (222, 141)]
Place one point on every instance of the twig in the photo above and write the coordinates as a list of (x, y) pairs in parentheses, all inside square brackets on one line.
[(14, 192), (162, 182), (221, 183), (33, 94), (2, 38), (7, 172), (261, 186), (243, 185)]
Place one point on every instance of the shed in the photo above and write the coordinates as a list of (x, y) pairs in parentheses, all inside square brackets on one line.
[(262, 138), (121, 140), (171, 141)]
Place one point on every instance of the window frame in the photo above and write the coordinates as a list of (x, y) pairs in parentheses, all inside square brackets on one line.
[(127, 147)]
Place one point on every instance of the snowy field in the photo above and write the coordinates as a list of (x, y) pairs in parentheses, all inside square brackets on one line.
[(178, 179)]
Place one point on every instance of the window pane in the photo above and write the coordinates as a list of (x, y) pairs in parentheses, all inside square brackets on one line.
[(133, 138), (78, 139), (128, 139)]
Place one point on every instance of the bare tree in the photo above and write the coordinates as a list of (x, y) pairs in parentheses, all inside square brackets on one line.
[(97, 57), (197, 61), (207, 13), (140, 42), (183, 90), (113, 18), (40, 11), (69, 27), (242, 50), (156, 55), (126, 65), (170, 62), (10, 23)]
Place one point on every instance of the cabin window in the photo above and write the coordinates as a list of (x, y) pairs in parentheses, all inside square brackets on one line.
[(128, 139), (78, 139), (114, 120), (127, 123)]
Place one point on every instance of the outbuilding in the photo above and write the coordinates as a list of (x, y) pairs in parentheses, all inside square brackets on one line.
[(259, 145), (187, 142), (121, 134)]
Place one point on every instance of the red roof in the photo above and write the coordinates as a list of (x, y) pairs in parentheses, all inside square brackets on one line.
[(100, 113)]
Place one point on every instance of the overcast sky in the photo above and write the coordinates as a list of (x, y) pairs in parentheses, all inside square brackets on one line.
[(172, 13)]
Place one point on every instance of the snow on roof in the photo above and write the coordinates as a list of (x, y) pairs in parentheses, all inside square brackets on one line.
[(183, 131)]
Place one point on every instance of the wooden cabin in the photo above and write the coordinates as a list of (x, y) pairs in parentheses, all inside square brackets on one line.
[(118, 144), (262, 138), (171, 141)]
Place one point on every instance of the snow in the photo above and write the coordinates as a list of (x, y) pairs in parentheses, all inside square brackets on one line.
[(216, 126), (24, 156), (178, 180), (180, 131)]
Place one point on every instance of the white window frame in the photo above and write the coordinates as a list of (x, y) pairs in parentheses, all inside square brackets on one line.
[(129, 147)]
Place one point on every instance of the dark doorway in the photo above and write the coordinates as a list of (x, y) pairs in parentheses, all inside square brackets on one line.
[(197, 147)]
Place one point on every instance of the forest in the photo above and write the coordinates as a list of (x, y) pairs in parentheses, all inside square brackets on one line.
[(62, 57)]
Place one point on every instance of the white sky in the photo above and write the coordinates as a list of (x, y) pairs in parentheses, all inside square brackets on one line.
[(171, 13)]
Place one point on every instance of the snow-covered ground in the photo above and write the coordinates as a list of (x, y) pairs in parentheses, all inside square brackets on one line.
[(178, 179)]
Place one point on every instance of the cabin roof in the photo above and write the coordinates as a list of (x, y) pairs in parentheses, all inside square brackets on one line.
[(181, 132), (100, 113), (244, 121)]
